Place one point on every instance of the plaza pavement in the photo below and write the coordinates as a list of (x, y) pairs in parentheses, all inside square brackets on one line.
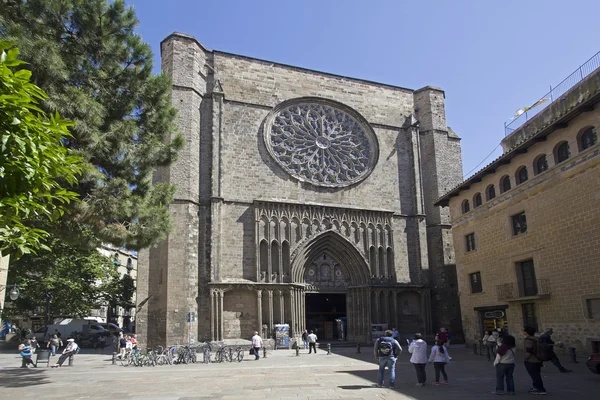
[(282, 375)]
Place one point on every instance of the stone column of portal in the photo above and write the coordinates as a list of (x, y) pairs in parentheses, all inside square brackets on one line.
[(368, 317), (213, 314), (221, 319), (302, 309), (395, 305), (270, 312), (281, 307), (293, 311), (259, 306)]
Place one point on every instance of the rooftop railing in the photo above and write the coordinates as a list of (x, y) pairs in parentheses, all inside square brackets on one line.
[(524, 115)]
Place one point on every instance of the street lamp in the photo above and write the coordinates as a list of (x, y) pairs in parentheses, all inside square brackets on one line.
[(14, 293)]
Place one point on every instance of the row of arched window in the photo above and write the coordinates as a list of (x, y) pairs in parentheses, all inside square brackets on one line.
[(381, 261), (586, 138), (274, 261)]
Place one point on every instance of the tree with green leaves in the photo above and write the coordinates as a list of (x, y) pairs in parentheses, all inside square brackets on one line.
[(98, 73), (34, 164), (71, 279)]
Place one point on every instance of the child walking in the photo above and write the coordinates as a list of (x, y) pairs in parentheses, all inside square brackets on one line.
[(439, 357)]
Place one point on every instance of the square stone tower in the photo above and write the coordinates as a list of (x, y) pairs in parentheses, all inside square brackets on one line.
[(303, 199)]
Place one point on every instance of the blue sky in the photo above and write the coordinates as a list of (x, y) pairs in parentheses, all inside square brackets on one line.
[(490, 57)]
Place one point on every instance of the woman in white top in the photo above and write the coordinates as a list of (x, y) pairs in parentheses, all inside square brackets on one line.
[(418, 349), (505, 366), (489, 341), (439, 357)]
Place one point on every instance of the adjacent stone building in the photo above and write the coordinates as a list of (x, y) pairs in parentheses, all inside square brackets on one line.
[(303, 198), (526, 228)]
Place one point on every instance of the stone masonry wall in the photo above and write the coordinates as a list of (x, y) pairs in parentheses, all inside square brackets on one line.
[(561, 205)]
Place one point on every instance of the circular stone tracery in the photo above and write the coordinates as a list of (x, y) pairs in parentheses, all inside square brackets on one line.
[(320, 143)]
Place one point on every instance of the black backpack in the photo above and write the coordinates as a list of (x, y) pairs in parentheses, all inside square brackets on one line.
[(385, 348), (543, 351)]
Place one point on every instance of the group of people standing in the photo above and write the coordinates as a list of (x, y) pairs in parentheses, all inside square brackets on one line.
[(29, 347), (387, 349), (537, 350)]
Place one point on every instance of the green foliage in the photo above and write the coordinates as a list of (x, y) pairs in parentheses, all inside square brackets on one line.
[(79, 278), (98, 73), (34, 165)]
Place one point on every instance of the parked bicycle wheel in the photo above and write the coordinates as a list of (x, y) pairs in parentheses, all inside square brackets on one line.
[(240, 355)]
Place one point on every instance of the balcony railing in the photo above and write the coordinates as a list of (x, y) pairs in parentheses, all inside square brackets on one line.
[(515, 291), (577, 76)]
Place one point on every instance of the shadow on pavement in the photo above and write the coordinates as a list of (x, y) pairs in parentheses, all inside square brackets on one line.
[(22, 377)]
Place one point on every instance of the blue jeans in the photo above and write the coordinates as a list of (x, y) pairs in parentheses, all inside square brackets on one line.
[(53, 349), (256, 353), (505, 371), (389, 362), (305, 344)]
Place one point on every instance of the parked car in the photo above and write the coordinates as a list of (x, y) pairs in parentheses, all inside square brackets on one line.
[(593, 363)]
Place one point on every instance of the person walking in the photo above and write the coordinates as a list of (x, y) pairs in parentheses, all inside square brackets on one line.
[(257, 343), (54, 344), (439, 357), (305, 339), (386, 351), (546, 339), (505, 366), (122, 346), (490, 340), (312, 342), (69, 351), (26, 354), (533, 364), (444, 336), (418, 349)]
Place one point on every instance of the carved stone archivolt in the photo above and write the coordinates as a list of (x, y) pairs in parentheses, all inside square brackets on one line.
[(321, 142), (284, 230)]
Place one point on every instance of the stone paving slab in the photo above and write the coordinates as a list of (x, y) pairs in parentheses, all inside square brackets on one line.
[(343, 375)]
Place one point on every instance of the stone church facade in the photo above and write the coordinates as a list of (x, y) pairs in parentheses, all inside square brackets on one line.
[(302, 197)]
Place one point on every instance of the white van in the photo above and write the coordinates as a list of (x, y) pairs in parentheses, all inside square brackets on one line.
[(67, 326)]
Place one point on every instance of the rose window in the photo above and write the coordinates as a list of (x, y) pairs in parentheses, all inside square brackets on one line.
[(320, 143)]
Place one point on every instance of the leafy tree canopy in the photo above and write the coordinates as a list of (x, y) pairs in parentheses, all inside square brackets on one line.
[(34, 164), (98, 72), (78, 278)]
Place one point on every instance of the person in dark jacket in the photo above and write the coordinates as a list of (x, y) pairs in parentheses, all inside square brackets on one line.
[(547, 339), (305, 339), (533, 365)]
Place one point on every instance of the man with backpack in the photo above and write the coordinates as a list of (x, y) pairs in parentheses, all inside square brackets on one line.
[(386, 351), (535, 354)]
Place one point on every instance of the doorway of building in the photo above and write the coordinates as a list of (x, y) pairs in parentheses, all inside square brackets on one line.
[(322, 311)]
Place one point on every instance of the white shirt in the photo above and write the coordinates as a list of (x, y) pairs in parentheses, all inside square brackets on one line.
[(256, 341), (418, 349), (437, 356), (71, 346), (312, 338)]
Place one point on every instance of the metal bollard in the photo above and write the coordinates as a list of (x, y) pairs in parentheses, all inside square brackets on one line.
[(114, 358), (297, 351), (71, 361), (573, 355), (475, 348), (328, 349), (265, 352), (357, 348)]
